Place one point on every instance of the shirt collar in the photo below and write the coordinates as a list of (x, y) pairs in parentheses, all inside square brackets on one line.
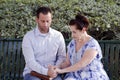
[(38, 33)]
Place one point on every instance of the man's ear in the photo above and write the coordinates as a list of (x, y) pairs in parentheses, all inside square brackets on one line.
[(36, 19)]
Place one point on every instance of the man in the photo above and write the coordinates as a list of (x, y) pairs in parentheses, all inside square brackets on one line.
[(43, 46)]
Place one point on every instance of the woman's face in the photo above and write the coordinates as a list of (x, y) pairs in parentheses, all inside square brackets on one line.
[(75, 33)]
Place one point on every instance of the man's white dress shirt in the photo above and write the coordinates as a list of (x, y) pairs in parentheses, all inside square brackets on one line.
[(40, 50)]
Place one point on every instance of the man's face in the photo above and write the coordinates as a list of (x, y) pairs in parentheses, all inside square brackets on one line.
[(44, 22)]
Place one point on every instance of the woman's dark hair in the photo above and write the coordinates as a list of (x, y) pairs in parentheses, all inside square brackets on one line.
[(44, 10), (80, 21)]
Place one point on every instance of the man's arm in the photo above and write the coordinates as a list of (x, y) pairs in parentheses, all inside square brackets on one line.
[(29, 56), (51, 74), (61, 55), (66, 63)]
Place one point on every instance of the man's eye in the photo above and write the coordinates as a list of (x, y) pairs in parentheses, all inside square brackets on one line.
[(47, 21), (74, 32)]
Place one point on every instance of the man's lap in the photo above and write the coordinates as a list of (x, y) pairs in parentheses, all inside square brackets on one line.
[(29, 77)]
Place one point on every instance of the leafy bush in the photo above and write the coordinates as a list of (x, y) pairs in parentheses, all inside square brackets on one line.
[(18, 16)]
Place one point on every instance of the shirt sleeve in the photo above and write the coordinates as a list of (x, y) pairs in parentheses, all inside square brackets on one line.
[(30, 60), (92, 45), (61, 55), (95, 45)]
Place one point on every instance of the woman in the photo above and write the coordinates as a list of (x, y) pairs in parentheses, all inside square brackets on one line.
[(84, 54)]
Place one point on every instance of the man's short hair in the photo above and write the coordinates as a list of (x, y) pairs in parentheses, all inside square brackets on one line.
[(44, 10)]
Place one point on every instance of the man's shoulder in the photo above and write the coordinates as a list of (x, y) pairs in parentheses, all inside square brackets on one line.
[(56, 32), (29, 33)]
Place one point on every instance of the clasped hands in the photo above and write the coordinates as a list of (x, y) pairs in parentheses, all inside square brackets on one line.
[(53, 71)]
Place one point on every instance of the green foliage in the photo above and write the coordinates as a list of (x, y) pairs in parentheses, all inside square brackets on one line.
[(18, 16)]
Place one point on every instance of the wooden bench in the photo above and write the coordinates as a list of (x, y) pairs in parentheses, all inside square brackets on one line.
[(12, 61), (111, 58)]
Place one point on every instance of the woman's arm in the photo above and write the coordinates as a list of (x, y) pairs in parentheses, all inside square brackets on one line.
[(87, 58)]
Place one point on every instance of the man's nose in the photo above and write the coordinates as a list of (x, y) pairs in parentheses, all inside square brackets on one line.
[(45, 24)]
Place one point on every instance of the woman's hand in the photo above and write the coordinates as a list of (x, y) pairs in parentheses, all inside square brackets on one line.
[(59, 71)]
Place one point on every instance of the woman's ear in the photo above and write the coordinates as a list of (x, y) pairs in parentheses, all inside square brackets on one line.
[(84, 29)]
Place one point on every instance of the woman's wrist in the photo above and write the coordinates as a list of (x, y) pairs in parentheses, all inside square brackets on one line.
[(63, 71)]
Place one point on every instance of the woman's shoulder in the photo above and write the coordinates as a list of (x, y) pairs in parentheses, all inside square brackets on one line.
[(93, 41), (71, 43)]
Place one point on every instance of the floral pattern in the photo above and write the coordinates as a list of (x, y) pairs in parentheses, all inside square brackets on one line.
[(94, 70)]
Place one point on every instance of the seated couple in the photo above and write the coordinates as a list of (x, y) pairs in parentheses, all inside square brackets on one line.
[(43, 46)]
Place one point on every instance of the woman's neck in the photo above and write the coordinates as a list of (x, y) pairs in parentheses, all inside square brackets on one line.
[(82, 42), (83, 39)]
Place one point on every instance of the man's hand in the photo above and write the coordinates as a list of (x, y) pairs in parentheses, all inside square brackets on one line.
[(51, 71)]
